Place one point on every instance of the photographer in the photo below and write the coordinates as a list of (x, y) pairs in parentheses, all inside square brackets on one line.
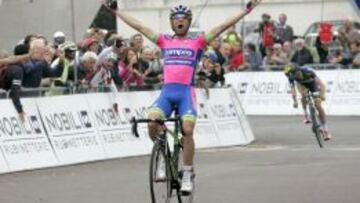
[(117, 47), (66, 56), (211, 74), (267, 30)]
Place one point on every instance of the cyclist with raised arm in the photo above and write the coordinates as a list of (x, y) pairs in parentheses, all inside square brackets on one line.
[(181, 54), (306, 80)]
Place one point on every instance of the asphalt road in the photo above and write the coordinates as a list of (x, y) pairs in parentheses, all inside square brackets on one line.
[(284, 165)]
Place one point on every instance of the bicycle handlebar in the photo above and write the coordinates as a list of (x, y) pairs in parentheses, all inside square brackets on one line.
[(135, 122)]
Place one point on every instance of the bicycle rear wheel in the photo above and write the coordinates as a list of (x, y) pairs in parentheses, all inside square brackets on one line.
[(160, 181)]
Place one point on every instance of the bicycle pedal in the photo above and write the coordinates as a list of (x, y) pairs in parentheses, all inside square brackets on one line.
[(160, 180)]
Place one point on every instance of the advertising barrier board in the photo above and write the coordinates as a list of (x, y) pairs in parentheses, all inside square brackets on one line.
[(71, 129), (24, 144)]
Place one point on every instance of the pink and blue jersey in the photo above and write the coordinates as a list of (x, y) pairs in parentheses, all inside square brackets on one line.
[(180, 57)]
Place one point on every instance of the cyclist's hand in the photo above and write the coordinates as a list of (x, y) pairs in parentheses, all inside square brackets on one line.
[(251, 5), (111, 4)]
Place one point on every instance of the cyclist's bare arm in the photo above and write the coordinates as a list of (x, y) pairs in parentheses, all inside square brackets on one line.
[(216, 31), (136, 24)]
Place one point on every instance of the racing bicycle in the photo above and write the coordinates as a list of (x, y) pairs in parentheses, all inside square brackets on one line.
[(166, 159)]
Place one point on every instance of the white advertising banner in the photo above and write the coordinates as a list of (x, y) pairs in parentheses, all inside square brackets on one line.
[(114, 127), (3, 165), (79, 128), (138, 104), (24, 145), (241, 83), (71, 129), (268, 93), (346, 94), (205, 133), (225, 118)]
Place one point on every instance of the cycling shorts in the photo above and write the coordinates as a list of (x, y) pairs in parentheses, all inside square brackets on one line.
[(175, 96), (315, 87)]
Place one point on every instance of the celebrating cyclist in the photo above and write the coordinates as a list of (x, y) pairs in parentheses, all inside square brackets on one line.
[(306, 80), (181, 54)]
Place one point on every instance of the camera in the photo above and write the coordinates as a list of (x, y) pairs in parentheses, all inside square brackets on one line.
[(119, 43)]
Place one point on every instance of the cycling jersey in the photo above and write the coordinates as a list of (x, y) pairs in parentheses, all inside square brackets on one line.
[(306, 77), (181, 56)]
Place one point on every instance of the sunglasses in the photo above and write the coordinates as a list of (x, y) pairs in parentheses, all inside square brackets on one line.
[(179, 16)]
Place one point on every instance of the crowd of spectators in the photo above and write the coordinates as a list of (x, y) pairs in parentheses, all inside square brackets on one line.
[(106, 59)]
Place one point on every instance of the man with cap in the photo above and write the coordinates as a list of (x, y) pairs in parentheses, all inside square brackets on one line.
[(59, 38)]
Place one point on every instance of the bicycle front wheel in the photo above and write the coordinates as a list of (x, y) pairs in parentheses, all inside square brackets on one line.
[(160, 180), (319, 137), (316, 127)]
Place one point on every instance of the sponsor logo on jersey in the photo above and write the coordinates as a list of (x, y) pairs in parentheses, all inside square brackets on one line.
[(178, 53)]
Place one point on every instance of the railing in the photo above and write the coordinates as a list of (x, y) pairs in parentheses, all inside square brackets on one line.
[(314, 66), (84, 89), (75, 89)]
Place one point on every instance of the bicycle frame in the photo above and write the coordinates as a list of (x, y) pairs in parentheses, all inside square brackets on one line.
[(172, 158)]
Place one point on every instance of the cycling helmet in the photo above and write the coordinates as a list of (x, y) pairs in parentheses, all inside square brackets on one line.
[(212, 56), (289, 68), (181, 10), (68, 46)]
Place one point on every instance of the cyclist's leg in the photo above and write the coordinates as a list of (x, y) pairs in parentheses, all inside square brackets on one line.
[(303, 91), (321, 89), (188, 126), (188, 114), (187, 111), (161, 109)]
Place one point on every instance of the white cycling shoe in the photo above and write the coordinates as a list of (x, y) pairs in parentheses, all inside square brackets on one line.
[(187, 183)]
